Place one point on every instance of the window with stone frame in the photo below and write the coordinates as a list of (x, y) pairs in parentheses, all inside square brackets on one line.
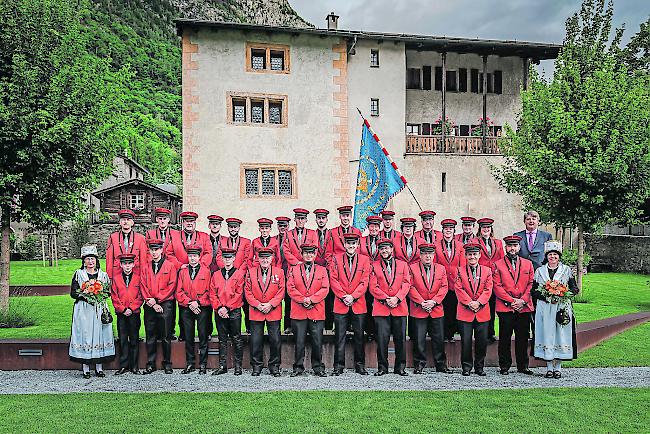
[(374, 107), (257, 109), (261, 180), (374, 58), (270, 58), (238, 110), (251, 181)]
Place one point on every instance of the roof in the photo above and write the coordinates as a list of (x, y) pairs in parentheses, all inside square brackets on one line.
[(535, 50), (136, 182), (133, 163)]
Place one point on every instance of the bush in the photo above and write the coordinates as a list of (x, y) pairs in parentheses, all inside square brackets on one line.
[(570, 258), (80, 231), (20, 313), (30, 247)]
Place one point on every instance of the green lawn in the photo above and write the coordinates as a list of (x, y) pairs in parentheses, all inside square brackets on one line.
[(33, 272), (527, 410)]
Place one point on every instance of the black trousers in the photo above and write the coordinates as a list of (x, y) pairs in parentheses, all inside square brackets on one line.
[(287, 311), (230, 328), (385, 326), (520, 324), (370, 320), (480, 332), (157, 326), (247, 320), (493, 304), (329, 311), (449, 304), (341, 322), (435, 328), (172, 330), (257, 345), (315, 329), (128, 331), (201, 321)]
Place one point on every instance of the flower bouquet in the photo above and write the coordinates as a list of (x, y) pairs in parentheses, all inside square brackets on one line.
[(96, 293), (558, 292)]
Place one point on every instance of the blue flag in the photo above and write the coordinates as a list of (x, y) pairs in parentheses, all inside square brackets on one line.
[(377, 181)]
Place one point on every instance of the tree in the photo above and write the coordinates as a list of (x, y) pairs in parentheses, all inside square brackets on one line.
[(581, 152), (59, 112), (636, 55)]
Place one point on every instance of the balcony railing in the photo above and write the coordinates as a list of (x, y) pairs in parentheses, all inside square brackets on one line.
[(452, 145)]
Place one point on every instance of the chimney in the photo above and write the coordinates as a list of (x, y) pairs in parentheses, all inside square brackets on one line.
[(332, 21)]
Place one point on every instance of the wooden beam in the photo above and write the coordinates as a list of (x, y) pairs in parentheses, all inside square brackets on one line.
[(444, 96), (526, 68)]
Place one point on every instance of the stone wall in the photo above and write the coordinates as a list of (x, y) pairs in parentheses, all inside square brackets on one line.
[(620, 253)]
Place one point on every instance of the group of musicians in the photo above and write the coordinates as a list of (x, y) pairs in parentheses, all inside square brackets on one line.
[(440, 282)]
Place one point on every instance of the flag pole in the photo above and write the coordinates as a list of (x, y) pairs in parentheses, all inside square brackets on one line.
[(389, 158)]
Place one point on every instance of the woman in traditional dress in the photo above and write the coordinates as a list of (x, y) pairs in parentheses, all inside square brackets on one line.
[(555, 325), (91, 341)]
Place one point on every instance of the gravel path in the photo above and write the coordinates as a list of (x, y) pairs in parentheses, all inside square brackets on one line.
[(21, 382)]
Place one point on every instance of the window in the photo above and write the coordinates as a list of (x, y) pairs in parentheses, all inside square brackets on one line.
[(413, 129), (451, 81), (374, 58), (257, 109), (474, 80), (136, 200), (374, 107), (426, 77), (464, 130), (426, 129), (444, 182), (271, 58), (438, 83), (260, 180), (490, 87), (413, 78), (498, 82), (462, 80)]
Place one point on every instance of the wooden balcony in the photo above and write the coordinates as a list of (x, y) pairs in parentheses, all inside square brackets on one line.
[(452, 145)]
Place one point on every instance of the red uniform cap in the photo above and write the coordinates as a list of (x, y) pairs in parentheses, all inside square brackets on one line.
[(388, 214), (264, 222), (126, 257), (427, 214), (485, 221), (300, 212), (512, 239), (232, 221), (155, 243), (321, 211), (345, 209), (468, 219), (427, 248), (448, 222), (194, 249), (283, 221), (407, 221), (265, 252), (472, 246), (228, 253), (189, 215), (351, 236), (385, 242), (162, 212), (214, 218), (308, 247), (126, 213), (373, 220)]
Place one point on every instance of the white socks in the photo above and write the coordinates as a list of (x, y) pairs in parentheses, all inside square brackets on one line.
[(557, 365), (98, 367), (86, 368)]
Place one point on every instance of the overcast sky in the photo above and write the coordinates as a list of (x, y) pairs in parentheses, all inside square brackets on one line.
[(524, 20)]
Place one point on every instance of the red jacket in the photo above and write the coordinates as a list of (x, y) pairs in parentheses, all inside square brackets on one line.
[(243, 247), (115, 247), (459, 237), (154, 234), (381, 288), (188, 290), (175, 251), (316, 288), (393, 235), (283, 260), (227, 293), (161, 286), (124, 297), (467, 291), (450, 261), (324, 254), (291, 246), (258, 292), (217, 259), (354, 282), (256, 245), (497, 252), (509, 283), (421, 290), (337, 243), (437, 235), (400, 250), (365, 248)]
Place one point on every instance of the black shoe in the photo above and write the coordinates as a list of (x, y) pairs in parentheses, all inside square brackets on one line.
[(275, 372), (417, 370), (549, 374), (86, 375), (402, 373), (136, 371), (203, 370), (287, 331), (121, 371), (361, 370), (337, 372), (248, 332), (238, 370), (297, 373), (445, 371), (99, 374), (451, 340), (525, 371), (222, 370), (174, 338), (503, 371), (370, 338), (188, 369), (480, 373), (557, 374), (492, 339), (149, 370), (255, 373), (380, 373), (168, 370), (465, 373), (140, 339), (320, 373)]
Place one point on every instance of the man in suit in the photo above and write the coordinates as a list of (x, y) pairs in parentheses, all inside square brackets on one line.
[(298, 236), (214, 224), (467, 224), (427, 234), (163, 232), (388, 218), (126, 240), (532, 240), (264, 240), (406, 243), (324, 236)]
